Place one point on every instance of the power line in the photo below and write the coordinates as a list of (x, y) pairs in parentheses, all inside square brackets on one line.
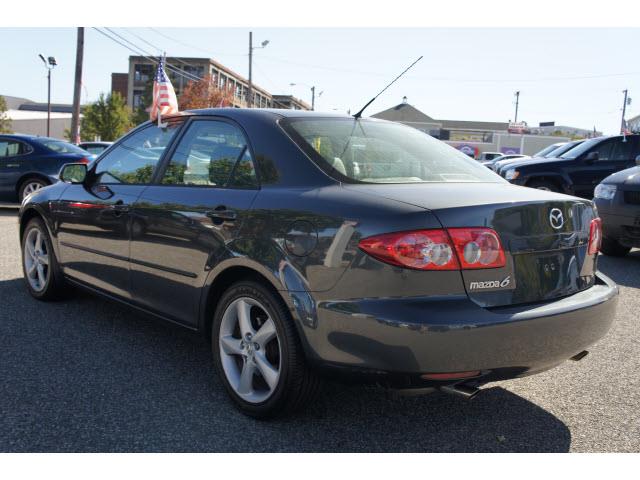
[(153, 60), (452, 79), (169, 66), (157, 48), (194, 47)]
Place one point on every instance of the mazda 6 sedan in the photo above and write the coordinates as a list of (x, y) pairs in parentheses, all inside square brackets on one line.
[(304, 244)]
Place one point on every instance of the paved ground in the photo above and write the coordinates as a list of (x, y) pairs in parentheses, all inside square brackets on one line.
[(88, 375)]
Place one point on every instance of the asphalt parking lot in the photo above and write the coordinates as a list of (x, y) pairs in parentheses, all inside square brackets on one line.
[(88, 375)]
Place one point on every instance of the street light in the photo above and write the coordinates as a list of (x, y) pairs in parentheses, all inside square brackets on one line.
[(313, 93), (251, 49), (49, 64)]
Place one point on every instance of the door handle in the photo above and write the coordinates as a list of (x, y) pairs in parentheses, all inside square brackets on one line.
[(221, 214)]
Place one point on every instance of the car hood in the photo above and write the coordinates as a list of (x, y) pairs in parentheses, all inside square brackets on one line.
[(630, 176), (438, 196)]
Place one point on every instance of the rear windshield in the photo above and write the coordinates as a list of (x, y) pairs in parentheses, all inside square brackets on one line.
[(62, 147), (369, 151)]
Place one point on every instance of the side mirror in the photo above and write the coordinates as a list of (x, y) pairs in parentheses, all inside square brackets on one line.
[(73, 173), (638, 160), (592, 157)]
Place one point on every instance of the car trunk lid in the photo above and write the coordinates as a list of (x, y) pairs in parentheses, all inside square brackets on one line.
[(545, 237)]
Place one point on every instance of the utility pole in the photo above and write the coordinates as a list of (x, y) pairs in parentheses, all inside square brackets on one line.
[(250, 89), (517, 103), (624, 110), (313, 98), (75, 119), (251, 49)]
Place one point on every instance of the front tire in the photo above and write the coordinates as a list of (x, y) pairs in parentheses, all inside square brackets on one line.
[(613, 248), (39, 263), (257, 352)]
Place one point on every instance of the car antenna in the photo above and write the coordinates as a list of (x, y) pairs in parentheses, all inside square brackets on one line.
[(359, 114)]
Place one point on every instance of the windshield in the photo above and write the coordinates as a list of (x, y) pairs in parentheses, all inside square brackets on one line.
[(546, 150), (372, 151), (62, 147), (580, 149), (562, 149)]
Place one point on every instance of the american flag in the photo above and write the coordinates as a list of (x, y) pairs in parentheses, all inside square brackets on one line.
[(164, 97)]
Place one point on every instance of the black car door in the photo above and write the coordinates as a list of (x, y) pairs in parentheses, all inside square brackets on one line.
[(93, 218), (181, 225)]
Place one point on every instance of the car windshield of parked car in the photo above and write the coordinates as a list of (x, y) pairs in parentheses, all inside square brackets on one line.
[(62, 147), (546, 150), (580, 149), (370, 151)]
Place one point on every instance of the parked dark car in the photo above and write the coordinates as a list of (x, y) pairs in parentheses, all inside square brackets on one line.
[(499, 167), (302, 243), (579, 170), (618, 201), (95, 148), (28, 163)]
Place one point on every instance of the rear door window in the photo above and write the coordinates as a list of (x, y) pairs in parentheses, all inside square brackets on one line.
[(212, 153)]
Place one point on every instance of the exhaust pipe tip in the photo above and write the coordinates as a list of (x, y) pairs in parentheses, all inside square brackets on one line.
[(465, 391)]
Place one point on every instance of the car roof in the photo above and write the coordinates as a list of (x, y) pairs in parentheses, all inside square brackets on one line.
[(21, 136)]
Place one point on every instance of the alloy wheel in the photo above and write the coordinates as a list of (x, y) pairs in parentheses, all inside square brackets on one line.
[(31, 187), (250, 350), (36, 259)]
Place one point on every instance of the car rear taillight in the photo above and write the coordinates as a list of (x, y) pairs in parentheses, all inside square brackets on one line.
[(84, 160), (420, 249), (595, 236), (477, 247), (438, 249)]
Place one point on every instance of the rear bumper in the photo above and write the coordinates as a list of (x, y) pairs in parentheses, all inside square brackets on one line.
[(410, 336)]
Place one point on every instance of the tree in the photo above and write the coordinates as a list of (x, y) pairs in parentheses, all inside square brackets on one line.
[(5, 121), (108, 119), (205, 94)]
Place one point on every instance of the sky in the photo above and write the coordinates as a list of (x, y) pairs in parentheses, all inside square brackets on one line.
[(572, 76)]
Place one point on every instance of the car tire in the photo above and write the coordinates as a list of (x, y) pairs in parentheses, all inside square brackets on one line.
[(40, 266), (613, 248), (30, 185), (284, 383), (544, 185)]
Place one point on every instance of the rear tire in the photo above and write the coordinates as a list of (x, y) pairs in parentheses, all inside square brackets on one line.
[(30, 185), (40, 268), (242, 351), (613, 248), (544, 185)]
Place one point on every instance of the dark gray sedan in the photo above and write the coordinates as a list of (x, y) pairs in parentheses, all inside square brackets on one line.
[(302, 243)]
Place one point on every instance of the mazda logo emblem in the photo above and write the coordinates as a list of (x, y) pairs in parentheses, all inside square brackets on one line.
[(556, 218)]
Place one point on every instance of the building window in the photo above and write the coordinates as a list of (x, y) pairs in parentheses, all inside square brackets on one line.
[(142, 74)]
